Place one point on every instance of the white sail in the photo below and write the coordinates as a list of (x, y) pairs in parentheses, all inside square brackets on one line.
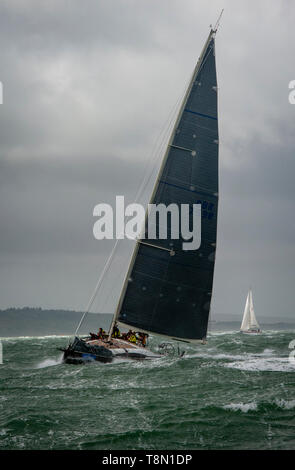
[(253, 321), (249, 321), (246, 317)]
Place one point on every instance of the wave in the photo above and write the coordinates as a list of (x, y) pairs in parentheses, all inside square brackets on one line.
[(49, 362), (285, 404), (256, 364), (222, 333), (16, 338), (212, 354), (263, 406), (244, 407)]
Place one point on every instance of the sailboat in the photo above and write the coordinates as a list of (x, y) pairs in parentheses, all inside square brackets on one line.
[(167, 290), (250, 324)]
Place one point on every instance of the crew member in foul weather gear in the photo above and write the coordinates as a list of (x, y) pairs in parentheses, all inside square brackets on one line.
[(132, 338), (101, 333), (93, 336), (116, 331)]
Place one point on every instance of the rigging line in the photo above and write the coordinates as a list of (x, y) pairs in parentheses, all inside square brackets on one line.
[(155, 246), (218, 22), (106, 266), (138, 194), (166, 131), (110, 292)]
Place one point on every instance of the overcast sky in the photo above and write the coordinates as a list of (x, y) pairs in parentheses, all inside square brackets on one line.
[(88, 88)]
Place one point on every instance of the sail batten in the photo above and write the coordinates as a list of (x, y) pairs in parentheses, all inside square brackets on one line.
[(200, 114), (171, 295)]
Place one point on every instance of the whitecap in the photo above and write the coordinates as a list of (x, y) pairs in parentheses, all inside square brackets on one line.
[(223, 333), (214, 356), (268, 352), (285, 404), (49, 362), (274, 364), (244, 407), (16, 338)]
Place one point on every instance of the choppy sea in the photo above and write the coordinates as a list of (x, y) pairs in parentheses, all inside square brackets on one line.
[(236, 392)]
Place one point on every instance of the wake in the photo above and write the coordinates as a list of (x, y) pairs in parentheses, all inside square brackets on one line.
[(50, 362)]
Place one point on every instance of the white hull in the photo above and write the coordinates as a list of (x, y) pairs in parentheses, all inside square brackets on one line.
[(140, 353), (82, 351)]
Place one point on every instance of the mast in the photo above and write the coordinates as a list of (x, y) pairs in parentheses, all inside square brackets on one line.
[(218, 21)]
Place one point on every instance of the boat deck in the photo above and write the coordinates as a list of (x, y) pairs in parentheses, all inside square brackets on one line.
[(115, 343)]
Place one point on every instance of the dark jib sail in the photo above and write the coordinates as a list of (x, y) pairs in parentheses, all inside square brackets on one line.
[(169, 292)]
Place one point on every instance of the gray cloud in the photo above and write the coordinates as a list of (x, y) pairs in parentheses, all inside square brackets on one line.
[(88, 88)]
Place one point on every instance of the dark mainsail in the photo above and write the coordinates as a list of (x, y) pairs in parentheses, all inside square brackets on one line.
[(167, 290)]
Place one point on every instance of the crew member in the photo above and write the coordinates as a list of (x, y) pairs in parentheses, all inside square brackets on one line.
[(132, 337), (101, 333), (144, 338), (116, 331)]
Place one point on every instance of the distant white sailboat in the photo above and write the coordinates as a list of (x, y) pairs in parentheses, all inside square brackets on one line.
[(250, 324)]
